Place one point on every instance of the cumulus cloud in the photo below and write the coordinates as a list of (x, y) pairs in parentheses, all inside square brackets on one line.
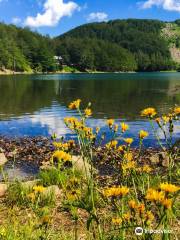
[(53, 11), (97, 16), (169, 5)]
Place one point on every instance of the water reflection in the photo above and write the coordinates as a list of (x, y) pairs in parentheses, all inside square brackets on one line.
[(36, 105)]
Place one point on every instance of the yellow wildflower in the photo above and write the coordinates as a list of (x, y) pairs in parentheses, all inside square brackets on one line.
[(72, 123), (73, 195), (148, 112), (128, 140), (88, 132), (116, 191), (165, 119), (126, 216), (60, 145), (141, 208), (146, 168), (132, 204), (116, 221), (45, 219), (124, 127), (153, 195), (149, 217), (167, 203), (88, 112), (143, 134), (39, 189), (75, 104), (2, 232), (110, 122), (128, 156), (113, 144), (31, 196), (57, 144), (177, 110), (61, 155), (129, 165), (158, 120), (170, 188), (121, 148), (71, 143)]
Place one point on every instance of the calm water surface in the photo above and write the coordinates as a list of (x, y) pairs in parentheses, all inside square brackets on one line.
[(36, 105)]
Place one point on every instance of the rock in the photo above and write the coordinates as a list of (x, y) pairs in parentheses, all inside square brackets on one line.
[(31, 184), (1, 150), (79, 164), (164, 159), (3, 189), (53, 189), (161, 158), (154, 159), (3, 159)]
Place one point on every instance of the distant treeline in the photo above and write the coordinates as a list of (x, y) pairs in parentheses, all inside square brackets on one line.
[(117, 46), (120, 45), (24, 50)]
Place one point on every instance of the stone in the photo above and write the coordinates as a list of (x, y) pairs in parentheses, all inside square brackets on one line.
[(31, 184), (3, 159), (164, 159), (79, 164), (154, 159), (3, 189), (161, 158), (53, 189)]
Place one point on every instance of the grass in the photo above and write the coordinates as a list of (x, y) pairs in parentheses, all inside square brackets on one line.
[(137, 193)]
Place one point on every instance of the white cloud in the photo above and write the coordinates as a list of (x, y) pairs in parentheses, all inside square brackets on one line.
[(169, 5), (97, 16), (53, 11), (16, 20)]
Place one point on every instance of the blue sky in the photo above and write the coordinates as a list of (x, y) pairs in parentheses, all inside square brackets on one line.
[(54, 17)]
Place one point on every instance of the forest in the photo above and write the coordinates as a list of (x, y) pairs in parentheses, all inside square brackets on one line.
[(118, 45), (24, 50)]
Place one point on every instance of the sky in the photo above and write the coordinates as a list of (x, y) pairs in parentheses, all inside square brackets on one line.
[(54, 17)]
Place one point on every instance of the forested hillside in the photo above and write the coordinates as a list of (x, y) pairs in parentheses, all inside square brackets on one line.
[(139, 41), (24, 50), (119, 45)]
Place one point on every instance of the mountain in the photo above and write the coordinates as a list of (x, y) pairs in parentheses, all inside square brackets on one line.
[(119, 45)]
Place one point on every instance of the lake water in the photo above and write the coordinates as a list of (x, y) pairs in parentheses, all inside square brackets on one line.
[(37, 104)]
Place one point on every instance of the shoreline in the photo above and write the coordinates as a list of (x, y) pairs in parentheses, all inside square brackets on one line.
[(12, 73), (39, 149)]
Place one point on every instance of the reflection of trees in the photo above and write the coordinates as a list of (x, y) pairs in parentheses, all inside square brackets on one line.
[(118, 98), (109, 94), (20, 95)]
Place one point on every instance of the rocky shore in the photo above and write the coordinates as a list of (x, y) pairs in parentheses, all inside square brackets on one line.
[(33, 152)]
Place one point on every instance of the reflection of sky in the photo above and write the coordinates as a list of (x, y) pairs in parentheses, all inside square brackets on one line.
[(51, 120)]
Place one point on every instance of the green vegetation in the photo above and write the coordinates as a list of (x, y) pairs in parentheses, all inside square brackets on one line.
[(24, 50), (119, 45)]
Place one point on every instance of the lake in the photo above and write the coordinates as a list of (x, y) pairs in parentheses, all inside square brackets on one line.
[(33, 105)]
